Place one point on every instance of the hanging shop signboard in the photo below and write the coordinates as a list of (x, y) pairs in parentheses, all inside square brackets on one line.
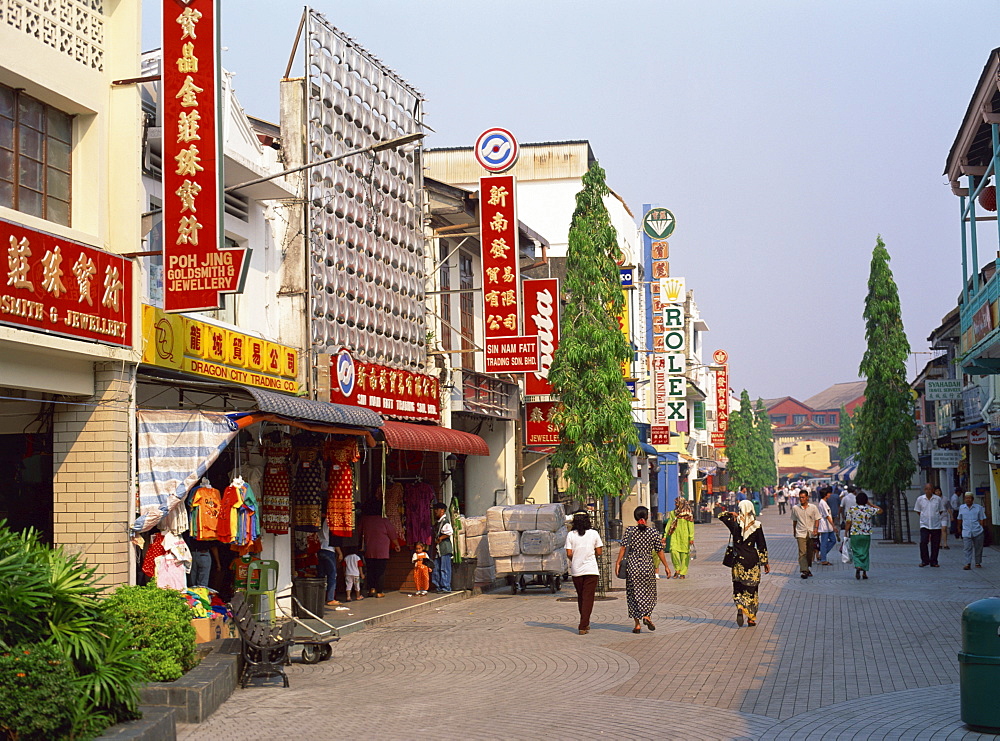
[(496, 150), (941, 458), (512, 355), (659, 434), (498, 235), (395, 393), (538, 427), (57, 286), (942, 389), (721, 394), (719, 440), (196, 270), (658, 223), (541, 318), (203, 349)]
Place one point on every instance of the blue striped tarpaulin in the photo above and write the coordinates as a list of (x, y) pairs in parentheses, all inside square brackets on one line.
[(174, 450)]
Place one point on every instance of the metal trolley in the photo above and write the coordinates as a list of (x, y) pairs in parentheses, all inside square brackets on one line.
[(550, 580), (316, 644)]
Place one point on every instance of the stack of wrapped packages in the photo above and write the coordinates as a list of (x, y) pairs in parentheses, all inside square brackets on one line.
[(527, 538), (472, 543)]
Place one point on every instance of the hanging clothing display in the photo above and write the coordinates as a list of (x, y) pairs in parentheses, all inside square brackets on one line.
[(276, 494), (394, 506), (340, 456), (306, 491), (206, 507), (154, 551), (232, 500), (247, 522), (419, 498)]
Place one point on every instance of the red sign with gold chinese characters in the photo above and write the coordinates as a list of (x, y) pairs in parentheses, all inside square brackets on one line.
[(538, 426), (196, 270), (389, 391), (61, 287), (721, 398), (498, 234)]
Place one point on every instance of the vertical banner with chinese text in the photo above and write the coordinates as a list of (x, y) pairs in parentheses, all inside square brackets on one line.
[(498, 235), (541, 318), (197, 270), (721, 398)]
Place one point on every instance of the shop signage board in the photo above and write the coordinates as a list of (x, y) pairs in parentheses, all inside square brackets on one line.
[(391, 392), (197, 271), (658, 223), (61, 287), (538, 427), (501, 284), (541, 318), (512, 355), (719, 440), (659, 434), (945, 458), (496, 150), (202, 349), (627, 277), (978, 437), (660, 389), (982, 322), (720, 357), (942, 389)]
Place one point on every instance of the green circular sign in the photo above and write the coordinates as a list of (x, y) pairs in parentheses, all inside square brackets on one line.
[(659, 223)]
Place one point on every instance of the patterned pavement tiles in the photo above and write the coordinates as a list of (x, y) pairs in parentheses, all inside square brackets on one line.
[(831, 658)]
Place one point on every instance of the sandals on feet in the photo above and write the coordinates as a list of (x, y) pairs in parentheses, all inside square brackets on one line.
[(739, 617), (648, 623)]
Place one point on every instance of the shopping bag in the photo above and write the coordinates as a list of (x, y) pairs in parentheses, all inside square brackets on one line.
[(845, 550), (692, 552)]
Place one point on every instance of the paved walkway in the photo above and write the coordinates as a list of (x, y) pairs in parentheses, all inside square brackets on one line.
[(832, 658)]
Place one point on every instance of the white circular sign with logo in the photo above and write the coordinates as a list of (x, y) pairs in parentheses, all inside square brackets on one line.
[(496, 150), (345, 373)]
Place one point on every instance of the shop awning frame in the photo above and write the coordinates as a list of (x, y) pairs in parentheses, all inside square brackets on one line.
[(431, 438)]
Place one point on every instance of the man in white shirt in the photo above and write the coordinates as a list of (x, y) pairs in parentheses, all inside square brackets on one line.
[(827, 531), (930, 508), (848, 499), (956, 526), (973, 520), (805, 527)]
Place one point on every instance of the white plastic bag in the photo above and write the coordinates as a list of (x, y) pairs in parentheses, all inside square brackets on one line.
[(845, 550)]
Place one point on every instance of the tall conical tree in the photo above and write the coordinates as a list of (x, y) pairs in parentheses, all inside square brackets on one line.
[(740, 445), (595, 412), (767, 470), (884, 423), (848, 442)]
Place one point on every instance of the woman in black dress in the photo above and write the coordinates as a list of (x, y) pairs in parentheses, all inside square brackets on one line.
[(641, 541), (751, 554)]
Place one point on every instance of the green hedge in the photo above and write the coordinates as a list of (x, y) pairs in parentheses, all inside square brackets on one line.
[(159, 621)]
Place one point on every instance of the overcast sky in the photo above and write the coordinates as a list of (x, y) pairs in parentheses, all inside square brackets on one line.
[(785, 136)]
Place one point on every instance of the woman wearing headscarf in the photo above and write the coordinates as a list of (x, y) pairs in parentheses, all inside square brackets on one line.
[(680, 536), (751, 554), (641, 542)]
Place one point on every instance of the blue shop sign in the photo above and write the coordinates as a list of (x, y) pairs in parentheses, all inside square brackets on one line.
[(627, 277)]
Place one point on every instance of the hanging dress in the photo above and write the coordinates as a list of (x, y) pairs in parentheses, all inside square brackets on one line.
[(307, 491), (394, 506), (340, 456), (276, 491), (419, 528)]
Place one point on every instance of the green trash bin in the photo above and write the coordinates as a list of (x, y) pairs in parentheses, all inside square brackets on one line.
[(979, 665), (756, 507)]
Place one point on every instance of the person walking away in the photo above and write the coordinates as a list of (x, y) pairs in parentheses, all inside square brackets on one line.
[(353, 574), (859, 530), (972, 517), (751, 554), (957, 500), (805, 527), (379, 535), (945, 518), (329, 554), (421, 568), (680, 536), (847, 500), (827, 530), (583, 546), (780, 498), (640, 542), (441, 576), (930, 508)]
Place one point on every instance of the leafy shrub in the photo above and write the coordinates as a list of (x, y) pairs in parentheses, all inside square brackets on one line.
[(159, 621), (36, 680), (51, 599)]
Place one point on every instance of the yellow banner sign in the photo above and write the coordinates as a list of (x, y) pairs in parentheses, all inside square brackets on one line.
[(184, 344)]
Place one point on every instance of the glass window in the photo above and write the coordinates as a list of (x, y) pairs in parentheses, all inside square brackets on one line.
[(779, 419), (819, 419), (798, 419), (467, 307), (36, 147)]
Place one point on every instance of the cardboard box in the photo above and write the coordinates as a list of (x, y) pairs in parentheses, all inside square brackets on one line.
[(209, 629)]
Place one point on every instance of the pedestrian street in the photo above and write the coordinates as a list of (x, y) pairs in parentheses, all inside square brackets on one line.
[(831, 657)]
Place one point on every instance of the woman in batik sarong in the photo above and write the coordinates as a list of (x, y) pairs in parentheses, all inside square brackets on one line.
[(751, 555)]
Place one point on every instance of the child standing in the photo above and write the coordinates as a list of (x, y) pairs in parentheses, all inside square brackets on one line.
[(421, 569), (353, 573)]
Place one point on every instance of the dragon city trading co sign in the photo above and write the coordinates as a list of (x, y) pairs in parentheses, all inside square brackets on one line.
[(197, 271), (61, 287), (203, 349)]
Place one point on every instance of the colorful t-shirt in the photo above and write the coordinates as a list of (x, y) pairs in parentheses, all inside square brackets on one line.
[(241, 570), (860, 516)]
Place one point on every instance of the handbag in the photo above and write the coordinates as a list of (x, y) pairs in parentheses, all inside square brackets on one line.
[(621, 572), (729, 559)]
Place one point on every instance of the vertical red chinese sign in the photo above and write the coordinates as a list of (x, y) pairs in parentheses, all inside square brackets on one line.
[(498, 234), (197, 270), (541, 318), (721, 398)]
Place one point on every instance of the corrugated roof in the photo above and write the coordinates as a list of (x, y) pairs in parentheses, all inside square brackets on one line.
[(836, 396)]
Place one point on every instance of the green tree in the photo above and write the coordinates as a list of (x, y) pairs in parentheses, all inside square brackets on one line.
[(595, 412), (848, 437), (767, 470), (884, 423), (741, 447)]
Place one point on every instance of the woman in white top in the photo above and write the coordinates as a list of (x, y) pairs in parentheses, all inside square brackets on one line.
[(583, 546)]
